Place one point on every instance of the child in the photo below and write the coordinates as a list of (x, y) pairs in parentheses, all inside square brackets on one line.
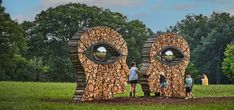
[(189, 86), (163, 84), (133, 77)]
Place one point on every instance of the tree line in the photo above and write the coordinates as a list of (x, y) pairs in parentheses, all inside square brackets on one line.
[(38, 50)]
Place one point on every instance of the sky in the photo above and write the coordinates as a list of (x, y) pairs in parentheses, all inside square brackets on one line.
[(155, 14)]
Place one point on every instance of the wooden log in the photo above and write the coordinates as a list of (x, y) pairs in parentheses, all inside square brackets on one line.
[(98, 81), (174, 73)]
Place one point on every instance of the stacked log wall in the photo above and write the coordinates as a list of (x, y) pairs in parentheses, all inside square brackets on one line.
[(175, 74), (95, 80)]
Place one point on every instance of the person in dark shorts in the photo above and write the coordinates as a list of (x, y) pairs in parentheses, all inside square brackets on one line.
[(133, 77), (163, 84), (188, 86)]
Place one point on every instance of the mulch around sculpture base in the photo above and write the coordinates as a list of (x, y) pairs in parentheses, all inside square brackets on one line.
[(157, 100), (149, 100)]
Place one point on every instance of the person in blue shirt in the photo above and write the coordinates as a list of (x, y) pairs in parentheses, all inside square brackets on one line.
[(133, 77), (188, 86)]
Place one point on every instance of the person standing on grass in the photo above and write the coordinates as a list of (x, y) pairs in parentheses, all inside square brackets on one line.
[(206, 82), (189, 86), (163, 84), (133, 77)]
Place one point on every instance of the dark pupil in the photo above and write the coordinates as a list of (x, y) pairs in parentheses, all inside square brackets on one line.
[(170, 56)]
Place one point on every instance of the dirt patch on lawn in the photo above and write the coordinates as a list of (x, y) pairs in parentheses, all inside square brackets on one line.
[(156, 100)]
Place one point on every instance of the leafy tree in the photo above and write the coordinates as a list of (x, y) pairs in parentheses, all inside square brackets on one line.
[(49, 34), (135, 34), (28, 70), (13, 64), (228, 62), (193, 27), (38, 69), (207, 37), (12, 42)]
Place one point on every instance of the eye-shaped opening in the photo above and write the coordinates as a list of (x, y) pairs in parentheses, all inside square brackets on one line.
[(102, 53), (170, 56)]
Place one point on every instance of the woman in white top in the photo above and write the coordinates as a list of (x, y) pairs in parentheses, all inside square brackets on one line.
[(133, 77)]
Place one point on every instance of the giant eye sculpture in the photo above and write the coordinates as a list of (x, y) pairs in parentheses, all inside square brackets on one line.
[(99, 57), (168, 53)]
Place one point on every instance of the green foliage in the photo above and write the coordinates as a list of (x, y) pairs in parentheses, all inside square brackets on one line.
[(228, 62), (207, 38), (45, 57), (195, 73), (135, 34), (26, 70), (51, 96), (12, 43), (13, 64), (38, 69), (49, 34), (11, 39)]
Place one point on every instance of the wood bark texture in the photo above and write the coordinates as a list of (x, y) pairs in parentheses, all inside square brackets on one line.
[(98, 81), (151, 66)]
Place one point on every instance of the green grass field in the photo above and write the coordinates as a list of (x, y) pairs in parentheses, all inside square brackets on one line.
[(57, 96)]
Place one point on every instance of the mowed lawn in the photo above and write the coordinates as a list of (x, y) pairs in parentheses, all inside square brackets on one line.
[(57, 96)]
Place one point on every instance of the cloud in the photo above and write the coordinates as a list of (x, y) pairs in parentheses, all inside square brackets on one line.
[(45, 4), (141, 15), (157, 6), (182, 7), (231, 10), (220, 1), (100, 3), (22, 17), (185, 6)]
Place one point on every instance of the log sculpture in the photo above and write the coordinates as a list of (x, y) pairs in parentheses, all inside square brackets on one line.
[(99, 57), (168, 53)]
